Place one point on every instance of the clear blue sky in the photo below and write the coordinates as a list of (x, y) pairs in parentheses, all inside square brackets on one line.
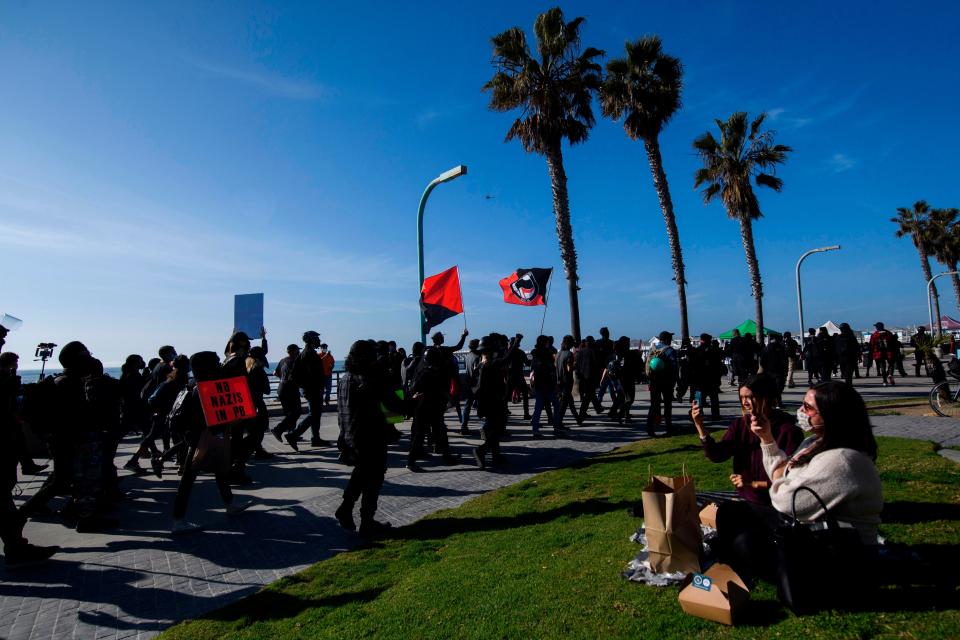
[(156, 159)]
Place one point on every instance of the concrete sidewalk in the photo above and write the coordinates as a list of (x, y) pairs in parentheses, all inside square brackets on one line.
[(137, 580)]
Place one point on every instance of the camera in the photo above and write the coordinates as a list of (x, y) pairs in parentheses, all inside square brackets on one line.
[(45, 350)]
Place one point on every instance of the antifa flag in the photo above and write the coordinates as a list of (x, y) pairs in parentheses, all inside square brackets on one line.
[(527, 287), (440, 298)]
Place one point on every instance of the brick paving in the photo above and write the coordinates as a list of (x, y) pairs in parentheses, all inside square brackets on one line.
[(137, 580)]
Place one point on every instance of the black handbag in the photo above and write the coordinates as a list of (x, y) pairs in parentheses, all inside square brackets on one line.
[(821, 564)]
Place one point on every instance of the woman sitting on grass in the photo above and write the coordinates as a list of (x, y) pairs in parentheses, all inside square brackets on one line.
[(837, 462), (738, 442)]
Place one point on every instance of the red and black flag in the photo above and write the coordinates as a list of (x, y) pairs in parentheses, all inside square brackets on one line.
[(527, 287), (440, 298)]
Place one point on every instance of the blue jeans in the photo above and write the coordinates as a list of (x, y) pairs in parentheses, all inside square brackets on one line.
[(467, 405), (607, 384), (541, 397)]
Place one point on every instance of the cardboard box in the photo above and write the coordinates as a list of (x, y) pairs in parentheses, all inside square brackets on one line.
[(708, 515), (715, 595)]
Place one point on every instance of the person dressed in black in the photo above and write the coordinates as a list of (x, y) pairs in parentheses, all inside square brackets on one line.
[(134, 416), (773, 360), (518, 389), (159, 372), (921, 344), (734, 350), (159, 403), (431, 390), (308, 375), (627, 365), (848, 352), (792, 349), (565, 372), (826, 353), (544, 381), (604, 350), (490, 393), (188, 421), (588, 369), (366, 433), (287, 393), (705, 365), (17, 551)]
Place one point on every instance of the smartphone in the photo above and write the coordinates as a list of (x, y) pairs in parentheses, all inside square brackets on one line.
[(698, 398)]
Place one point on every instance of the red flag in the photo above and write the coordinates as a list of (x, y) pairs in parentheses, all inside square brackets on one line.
[(440, 298), (527, 287)]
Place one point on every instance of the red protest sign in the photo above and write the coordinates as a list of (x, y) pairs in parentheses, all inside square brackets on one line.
[(226, 401)]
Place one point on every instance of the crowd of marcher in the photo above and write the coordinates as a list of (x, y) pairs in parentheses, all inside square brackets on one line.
[(82, 415)]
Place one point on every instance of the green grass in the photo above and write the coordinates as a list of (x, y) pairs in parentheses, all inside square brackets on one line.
[(543, 558)]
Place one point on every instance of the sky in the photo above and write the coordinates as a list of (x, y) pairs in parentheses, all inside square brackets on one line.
[(158, 158)]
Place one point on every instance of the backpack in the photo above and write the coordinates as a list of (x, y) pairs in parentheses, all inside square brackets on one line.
[(659, 367), (40, 406), (178, 418), (884, 341)]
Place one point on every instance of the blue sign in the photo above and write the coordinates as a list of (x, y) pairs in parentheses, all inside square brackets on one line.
[(248, 313)]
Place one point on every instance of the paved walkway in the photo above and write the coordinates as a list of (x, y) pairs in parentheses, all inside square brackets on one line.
[(136, 581)]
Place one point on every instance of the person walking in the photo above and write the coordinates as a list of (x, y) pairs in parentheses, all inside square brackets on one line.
[(811, 357), (308, 375), (366, 435), (490, 393), (588, 369), (881, 350), (468, 379), (287, 393), (826, 354), (774, 363), (565, 372), (188, 419), (604, 350), (431, 390), (848, 352), (544, 382)]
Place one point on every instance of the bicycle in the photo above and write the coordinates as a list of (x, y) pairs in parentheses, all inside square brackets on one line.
[(945, 402)]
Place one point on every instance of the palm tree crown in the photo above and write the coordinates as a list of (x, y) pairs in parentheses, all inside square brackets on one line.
[(555, 92), (645, 85), (915, 222), (741, 154)]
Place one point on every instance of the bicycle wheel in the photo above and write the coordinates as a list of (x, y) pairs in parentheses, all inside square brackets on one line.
[(944, 402)]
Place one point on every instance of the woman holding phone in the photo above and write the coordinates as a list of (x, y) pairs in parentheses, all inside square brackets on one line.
[(740, 443)]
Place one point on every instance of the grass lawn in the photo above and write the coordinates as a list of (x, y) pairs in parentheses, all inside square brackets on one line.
[(543, 559)]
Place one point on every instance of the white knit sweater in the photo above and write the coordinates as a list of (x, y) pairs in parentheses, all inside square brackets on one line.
[(845, 479)]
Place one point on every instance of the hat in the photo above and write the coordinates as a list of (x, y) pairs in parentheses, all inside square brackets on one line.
[(487, 344), (310, 335), (438, 334), (706, 337), (879, 325), (665, 336)]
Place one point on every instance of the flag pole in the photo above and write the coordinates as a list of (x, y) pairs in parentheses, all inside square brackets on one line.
[(545, 300)]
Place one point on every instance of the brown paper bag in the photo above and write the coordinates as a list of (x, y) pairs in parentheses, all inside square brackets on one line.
[(672, 524)]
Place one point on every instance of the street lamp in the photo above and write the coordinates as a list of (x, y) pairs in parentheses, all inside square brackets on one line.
[(446, 176), (930, 306), (799, 294)]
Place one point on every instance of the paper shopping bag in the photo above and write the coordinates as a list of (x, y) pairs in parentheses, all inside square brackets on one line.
[(672, 524)]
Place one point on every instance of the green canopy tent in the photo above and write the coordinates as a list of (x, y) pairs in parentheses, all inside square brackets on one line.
[(747, 326)]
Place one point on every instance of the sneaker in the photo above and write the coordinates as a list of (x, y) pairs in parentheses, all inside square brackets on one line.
[(237, 507), (182, 526), (345, 517), (478, 457), (156, 462), (278, 434), (373, 528), (33, 468), (292, 441), (134, 465), (28, 555)]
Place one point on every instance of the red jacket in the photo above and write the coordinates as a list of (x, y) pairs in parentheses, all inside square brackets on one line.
[(878, 350)]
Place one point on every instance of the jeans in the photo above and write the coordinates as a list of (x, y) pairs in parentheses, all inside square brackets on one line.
[(312, 421), (467, 406), (541, 398)]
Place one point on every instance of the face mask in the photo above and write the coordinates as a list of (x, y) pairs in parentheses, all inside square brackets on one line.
[(803, 420)]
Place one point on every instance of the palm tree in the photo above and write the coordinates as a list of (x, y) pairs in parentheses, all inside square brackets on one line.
[(945, 238), (915, 222), (728, 165), (554, 95), (645, 87)]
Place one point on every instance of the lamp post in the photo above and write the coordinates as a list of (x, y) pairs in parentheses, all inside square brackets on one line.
[(446, 176), (930, 306), (835, 247)]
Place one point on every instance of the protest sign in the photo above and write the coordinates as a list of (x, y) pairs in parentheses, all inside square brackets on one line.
[(248, 313), (225, 401)]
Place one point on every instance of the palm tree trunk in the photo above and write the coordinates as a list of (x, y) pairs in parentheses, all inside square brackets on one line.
[(568, 253), (746, 234), (925, 265), (956, 283), (673, 236)]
